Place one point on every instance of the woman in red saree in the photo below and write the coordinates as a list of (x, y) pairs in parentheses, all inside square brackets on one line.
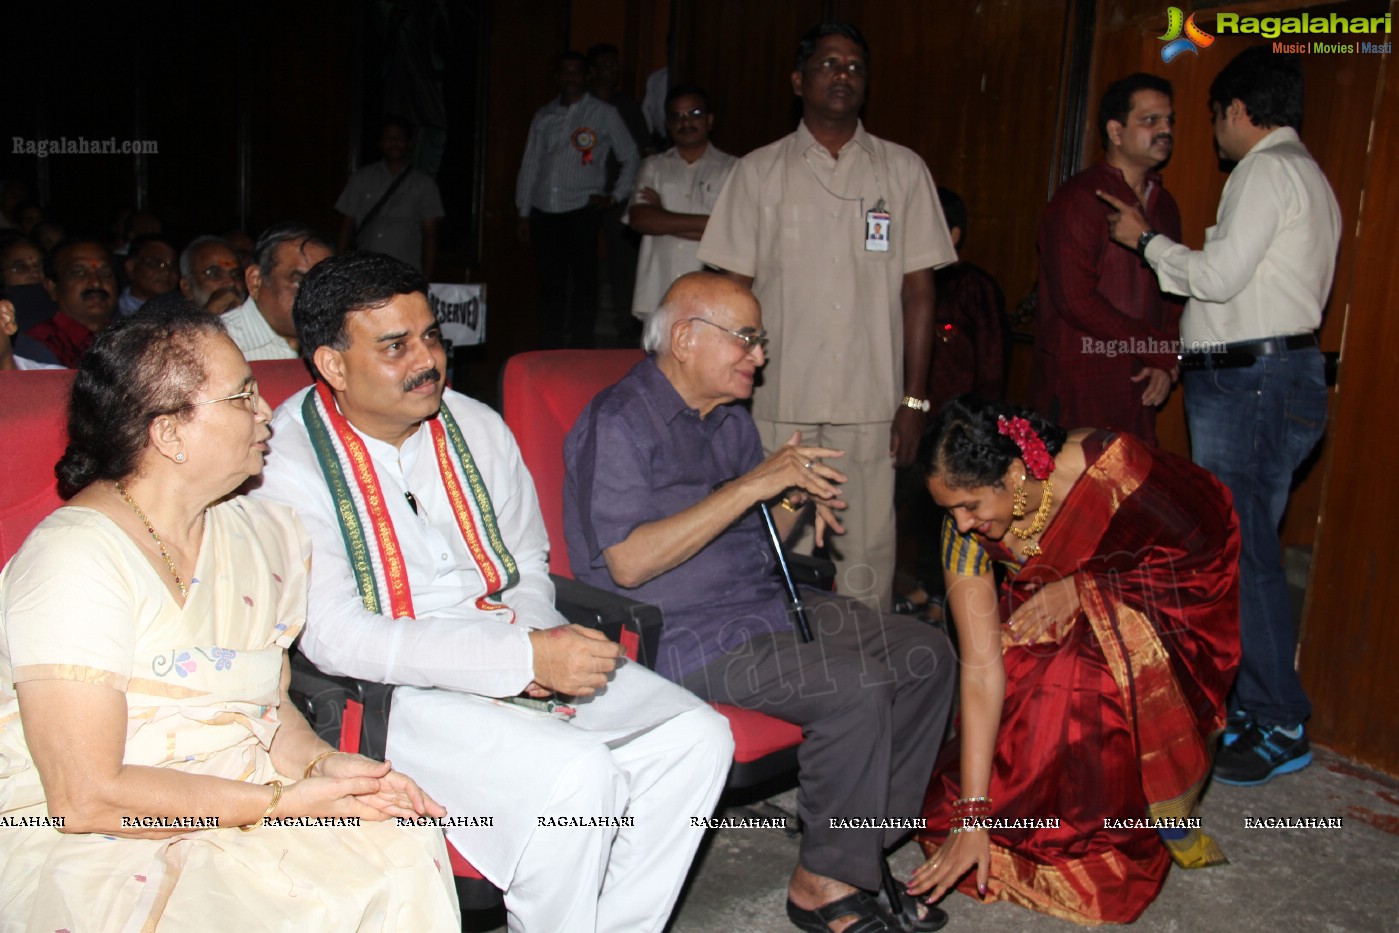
[(1093, 679)]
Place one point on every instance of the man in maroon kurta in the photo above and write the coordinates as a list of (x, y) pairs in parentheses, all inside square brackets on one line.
[(1106, 339)]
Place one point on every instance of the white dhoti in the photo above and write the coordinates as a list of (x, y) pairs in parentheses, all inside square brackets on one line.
[(590, 819)]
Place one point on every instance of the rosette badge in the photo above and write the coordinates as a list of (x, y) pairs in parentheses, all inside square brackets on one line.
[(584, 139)]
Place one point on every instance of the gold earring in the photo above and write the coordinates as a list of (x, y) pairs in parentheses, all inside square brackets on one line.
[(1018, 499)]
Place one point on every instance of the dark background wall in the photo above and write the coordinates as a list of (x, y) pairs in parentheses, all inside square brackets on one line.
[(260, 111)]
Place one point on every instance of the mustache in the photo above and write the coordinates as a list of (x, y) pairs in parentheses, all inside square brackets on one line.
[(1160, 136), (422, 378), (96, 293)]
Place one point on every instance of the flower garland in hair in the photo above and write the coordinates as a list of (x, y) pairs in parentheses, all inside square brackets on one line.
[(1038, 461)]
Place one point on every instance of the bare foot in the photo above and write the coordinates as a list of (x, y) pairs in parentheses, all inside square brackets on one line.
[(809, 891)]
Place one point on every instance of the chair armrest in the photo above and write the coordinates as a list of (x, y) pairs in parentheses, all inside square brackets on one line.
[(815, 572), (635, 624), (322, 699)]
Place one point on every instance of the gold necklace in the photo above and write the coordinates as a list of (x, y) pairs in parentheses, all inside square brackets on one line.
[(1038, 522), (169, 561)]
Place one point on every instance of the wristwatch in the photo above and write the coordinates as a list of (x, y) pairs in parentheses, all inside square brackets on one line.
[(917, 404), (1142, 240)]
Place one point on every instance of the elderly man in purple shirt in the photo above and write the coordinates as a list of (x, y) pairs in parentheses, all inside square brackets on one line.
[(663, 474)]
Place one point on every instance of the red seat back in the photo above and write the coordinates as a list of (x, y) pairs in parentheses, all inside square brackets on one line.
[(544, 392), (34, 426)]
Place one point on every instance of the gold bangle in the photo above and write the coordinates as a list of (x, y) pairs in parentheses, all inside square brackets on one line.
[(317, 760), (276, 799)]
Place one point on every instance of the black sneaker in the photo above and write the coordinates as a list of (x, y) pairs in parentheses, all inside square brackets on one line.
[(1260, 754), (1239, 722)]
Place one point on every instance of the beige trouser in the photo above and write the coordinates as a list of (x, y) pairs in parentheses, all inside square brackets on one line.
[(864, 555)]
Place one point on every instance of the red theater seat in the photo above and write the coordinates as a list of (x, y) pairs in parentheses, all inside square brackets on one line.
[(544, 393)]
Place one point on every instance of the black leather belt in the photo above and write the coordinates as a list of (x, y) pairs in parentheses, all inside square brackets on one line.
[(1245, 352)]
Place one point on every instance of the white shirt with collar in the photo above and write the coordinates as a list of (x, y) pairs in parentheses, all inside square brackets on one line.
[(685, 188), (254, 336), (451, 643), (1268, 261), (557, 177)]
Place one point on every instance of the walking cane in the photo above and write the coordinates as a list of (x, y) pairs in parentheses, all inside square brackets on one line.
[(891, 886), (780, 553)]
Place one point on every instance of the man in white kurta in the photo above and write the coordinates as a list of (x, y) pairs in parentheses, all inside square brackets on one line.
[(675, 193), (590, 818)]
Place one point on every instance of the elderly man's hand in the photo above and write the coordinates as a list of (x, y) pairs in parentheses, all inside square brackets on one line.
[(795, 466), (573, 660), (1126, 224)]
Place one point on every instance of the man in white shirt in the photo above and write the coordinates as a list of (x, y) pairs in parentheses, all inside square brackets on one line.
[(561, 193), (675, 192), (431, 572), (388, 212), (1255, 386), (262, 326)]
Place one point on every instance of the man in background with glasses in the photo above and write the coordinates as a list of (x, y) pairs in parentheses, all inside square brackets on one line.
[(838, 233), (664, 471), (81, 280), (675, 193), (150, 270), (210, 275)]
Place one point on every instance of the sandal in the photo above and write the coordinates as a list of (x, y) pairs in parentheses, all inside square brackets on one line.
[(935, 918), (869, 916)]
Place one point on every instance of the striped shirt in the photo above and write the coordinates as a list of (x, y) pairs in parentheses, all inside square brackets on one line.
[(254, 336), (556, 175)]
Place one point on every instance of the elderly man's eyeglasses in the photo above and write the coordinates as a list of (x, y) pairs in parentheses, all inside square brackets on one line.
[(249, 397), (856, 69), (676, 116), (751, 342), (220, 274)]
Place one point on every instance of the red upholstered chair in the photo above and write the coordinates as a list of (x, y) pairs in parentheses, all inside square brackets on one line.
[(33, 434), (544, 393)]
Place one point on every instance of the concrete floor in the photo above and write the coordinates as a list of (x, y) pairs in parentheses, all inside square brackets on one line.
[(1331, 880)]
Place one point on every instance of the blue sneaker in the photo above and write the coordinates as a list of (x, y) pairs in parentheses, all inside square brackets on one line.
[(1238, 723), (1262, 753)]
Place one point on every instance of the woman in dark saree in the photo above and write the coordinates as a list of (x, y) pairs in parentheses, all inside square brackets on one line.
[(1093, 677)]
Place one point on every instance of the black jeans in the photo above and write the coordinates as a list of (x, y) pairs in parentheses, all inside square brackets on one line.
[(565, 251)]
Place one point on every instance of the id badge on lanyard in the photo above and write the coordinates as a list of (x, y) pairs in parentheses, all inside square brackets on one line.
[(877, 229)]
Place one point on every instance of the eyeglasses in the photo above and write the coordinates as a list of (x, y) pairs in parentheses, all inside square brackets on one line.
[(83, 273), (751, 342), (158, 265), (219, 274), (248, 396), (856, 69), (675, 116), (20, 267)]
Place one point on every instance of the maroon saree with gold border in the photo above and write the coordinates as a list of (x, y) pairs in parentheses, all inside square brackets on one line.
[(1116, 720)]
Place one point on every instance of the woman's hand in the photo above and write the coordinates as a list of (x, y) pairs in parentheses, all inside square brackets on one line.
[(396, 793), (960, 852), (1047, 615), (332, 796)]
